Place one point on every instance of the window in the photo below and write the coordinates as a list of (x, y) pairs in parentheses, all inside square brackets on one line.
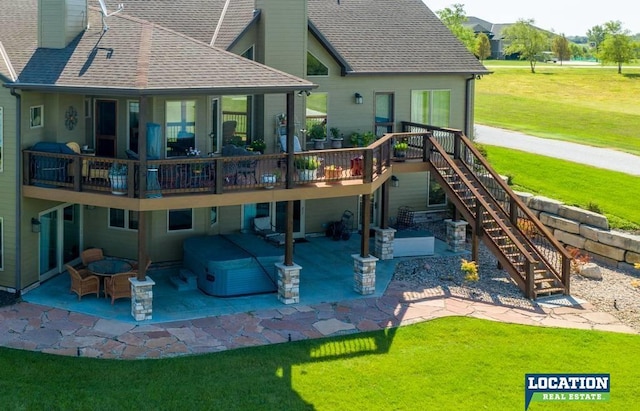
[(1, 245), (1, 128), (384, 113), (431, 107), (248, 54), (36, 116), (181, 127), (236, 120), (315, 67), (125, 219), (133, 114), (435, 193), (316, 111), (179, 220), (213, 216)]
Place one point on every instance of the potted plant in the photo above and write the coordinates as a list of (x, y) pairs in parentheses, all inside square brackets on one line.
[(118, 178), (307, 167), (270, 179), (318, 134), (362, 139), (336, 138), (400, 150), (332, 172), (258, 146)]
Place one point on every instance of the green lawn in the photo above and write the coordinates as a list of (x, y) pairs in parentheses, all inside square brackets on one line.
[(594, 106), (575, 184), (452, 363)]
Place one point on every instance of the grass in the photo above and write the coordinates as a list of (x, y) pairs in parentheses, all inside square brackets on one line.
[(594, 106), (575, 184), (452, 363)]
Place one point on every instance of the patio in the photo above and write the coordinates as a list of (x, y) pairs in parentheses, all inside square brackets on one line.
[(325, 282)]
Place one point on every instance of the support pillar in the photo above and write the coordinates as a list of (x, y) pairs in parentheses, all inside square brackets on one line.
[(141, 298), (456, 234), (384, 243), (288, 283), (364, 274)]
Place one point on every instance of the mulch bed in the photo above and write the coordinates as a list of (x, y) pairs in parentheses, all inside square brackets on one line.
[(7, 298)]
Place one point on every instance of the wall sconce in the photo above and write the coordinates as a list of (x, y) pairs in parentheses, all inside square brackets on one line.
[(395, 182), (304, 92), (35, 225), (359, 99)]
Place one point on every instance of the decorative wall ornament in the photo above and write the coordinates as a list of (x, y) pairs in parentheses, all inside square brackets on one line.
[(71, 118)]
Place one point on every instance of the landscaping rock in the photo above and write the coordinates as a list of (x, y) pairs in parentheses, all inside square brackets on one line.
[(592, 271)]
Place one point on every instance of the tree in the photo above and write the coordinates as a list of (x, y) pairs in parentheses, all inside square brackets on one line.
[(596, 35), (454, 20), (561, 48), (617, 48), (483, 46), (525, 40)]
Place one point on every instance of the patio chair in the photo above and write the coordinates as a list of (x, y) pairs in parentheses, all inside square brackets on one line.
[(118, 286), (297, 148), (82, 282), (90, 255), (262, 226)]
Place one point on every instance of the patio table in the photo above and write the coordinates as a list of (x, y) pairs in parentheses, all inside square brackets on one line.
[(108, 267)]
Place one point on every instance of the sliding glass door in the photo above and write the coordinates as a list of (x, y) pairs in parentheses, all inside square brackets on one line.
[(59, 239)]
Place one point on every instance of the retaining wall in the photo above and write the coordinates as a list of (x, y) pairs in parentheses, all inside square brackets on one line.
[(585, 230)]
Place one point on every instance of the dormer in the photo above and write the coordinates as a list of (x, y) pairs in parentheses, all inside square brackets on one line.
[(60, 21)]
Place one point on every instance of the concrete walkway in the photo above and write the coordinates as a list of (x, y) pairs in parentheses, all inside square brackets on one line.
[(577, 153), (51, 330)]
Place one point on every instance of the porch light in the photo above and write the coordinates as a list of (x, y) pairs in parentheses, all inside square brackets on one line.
[(395, 182), (304, 92), (359, 99), (35, 225)]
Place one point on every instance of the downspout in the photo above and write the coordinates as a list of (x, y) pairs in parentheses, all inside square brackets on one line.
[(467, 105), (18, 214)]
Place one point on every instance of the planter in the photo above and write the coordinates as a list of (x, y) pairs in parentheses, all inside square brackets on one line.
[(118, 184), (356, 166), (332, 173), (319, 144), (307, 175), (269, 180), (336, 142), (400, 155)]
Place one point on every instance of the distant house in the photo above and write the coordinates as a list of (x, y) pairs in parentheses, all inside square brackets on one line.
[(86, 95)]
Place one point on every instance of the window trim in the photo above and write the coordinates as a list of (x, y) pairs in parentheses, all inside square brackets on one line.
[(127, 220), (33, 113), (169, 230)]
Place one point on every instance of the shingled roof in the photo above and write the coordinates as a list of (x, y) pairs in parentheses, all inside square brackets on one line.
[(132, 56), (366, 36)]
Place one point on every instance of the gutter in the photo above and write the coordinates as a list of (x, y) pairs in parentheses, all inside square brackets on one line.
[(467, 104), (18, 214)]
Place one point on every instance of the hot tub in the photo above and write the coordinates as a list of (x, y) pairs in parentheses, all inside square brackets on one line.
[(232, 265)]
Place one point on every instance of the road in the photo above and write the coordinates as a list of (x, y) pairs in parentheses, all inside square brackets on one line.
[(577, 153)]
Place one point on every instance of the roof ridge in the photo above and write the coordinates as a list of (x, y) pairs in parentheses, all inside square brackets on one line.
[(144, 56), (220, 20)]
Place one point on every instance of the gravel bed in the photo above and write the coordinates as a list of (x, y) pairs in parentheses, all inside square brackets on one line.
[(614, 294)]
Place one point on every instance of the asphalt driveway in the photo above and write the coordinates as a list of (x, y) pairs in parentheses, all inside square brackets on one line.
[(577, 153)]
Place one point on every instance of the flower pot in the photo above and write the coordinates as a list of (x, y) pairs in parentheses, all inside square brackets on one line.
[(118, 184), (333, 173), (400, 155), (269, 180), (307, 175), (336, 142), (318, 144)]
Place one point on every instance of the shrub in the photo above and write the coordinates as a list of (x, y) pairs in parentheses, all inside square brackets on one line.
[(470, 270), (591, 206)]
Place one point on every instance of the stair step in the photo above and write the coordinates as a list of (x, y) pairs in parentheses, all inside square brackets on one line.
[(551, 290), (188, 276), (180, 284)]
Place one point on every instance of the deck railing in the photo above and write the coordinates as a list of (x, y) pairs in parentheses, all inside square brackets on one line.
[(214, 175)]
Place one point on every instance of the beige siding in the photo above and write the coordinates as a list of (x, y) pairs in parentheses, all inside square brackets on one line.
[(412, 192), (320, 212), (60, 21), (8, 177)]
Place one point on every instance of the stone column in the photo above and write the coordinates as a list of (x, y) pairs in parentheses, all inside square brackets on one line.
[(384, 243), (364, 274), (141, 298), (288, 283), (456, 234)]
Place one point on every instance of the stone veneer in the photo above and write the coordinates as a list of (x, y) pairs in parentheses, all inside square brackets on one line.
[(364, 274), (384, 243), (142, 298), (586, 231), (288, 283), (456, 234)]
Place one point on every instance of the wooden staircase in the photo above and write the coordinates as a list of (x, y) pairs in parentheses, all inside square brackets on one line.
[(537, 262)]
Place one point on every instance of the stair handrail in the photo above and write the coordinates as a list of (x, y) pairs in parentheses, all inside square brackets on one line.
[(440, 150), (514, 199)]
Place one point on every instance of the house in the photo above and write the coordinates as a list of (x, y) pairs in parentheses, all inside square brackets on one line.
[(140, 88)]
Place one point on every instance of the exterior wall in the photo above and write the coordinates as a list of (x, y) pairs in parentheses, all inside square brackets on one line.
[(61, 21), (320, 212), (8, 198), (412, 192)]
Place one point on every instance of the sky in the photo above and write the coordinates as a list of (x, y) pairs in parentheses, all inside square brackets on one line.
[(568, 17)]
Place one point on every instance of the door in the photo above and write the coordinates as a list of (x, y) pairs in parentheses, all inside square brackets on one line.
[(278, 213), (59, 239), (106, 126)]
